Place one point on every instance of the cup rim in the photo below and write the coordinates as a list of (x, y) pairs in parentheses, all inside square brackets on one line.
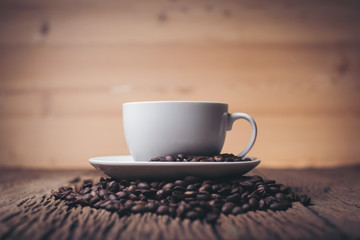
[(156, 102)]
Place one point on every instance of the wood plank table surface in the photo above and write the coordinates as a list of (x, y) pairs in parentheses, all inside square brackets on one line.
[(28, 211)]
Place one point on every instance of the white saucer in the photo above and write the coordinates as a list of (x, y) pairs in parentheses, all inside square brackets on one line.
[(126, 167)]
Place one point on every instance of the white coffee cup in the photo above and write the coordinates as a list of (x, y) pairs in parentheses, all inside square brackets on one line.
[(154, 129)]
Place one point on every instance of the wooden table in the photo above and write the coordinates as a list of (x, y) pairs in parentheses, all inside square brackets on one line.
[(28, 211)]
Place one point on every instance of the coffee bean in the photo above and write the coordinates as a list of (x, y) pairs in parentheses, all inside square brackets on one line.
[(86, 197), (224, 191), (228, 207), (205, 188), (169, 158), (279, 206), (215, 196), (112, 197), (236, 210), (246, 184), (154, 185), (233, 198), (133, 197), (103, 204), (151, 206), (162, 210), (131, 189), (121, 195), (124, 183), (86, 190), (262, 204), (113, 186), (192, 215), (138, 208), (280, 196), (245, 207), (102, 193), (179, 189), (168, 186), (254, 203), (129, 204), (143, 185), (203, 196), (180, 183), (178, 195), (212, 217)]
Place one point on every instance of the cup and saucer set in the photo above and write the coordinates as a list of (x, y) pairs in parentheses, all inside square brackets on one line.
[(168, 128)]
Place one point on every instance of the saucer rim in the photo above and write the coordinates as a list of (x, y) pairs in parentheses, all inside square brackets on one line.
[(111, 162)]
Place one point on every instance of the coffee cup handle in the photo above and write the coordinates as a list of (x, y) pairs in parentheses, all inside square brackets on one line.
[(231, 119)]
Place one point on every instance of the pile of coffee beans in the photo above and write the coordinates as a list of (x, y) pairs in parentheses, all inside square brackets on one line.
[(190, 197), (226, 157)]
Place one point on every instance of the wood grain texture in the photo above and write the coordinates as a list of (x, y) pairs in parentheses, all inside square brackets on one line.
[(27, 210), (66, 68)]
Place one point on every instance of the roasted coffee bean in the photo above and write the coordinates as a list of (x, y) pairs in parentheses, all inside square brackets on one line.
[(191, 187), (202, 196), (143, 185), (254, 203), (180, 183), (71, 196), (133, 197), (280, 196), (205, 188), (131, 189), (124, 183), (112, 197), (113, 186), (279, 206), (121, 195), (169, 158), (233, 198), (192, 215), (155, 185), (162, 210), (262, 204), (215, 196), (191, 197), (246, 184), (244, 195), (178, 195), (129, 204), (151, 206), (245, 207), (168, 186), (228, 207), (179, 189), (212, 217), (102, 193), (86, 190), (224, 191), (138, 208), (149, 193), (103, 204), (236, 210)]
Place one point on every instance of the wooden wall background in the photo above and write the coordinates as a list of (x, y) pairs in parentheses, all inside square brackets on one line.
[(67, 66)]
